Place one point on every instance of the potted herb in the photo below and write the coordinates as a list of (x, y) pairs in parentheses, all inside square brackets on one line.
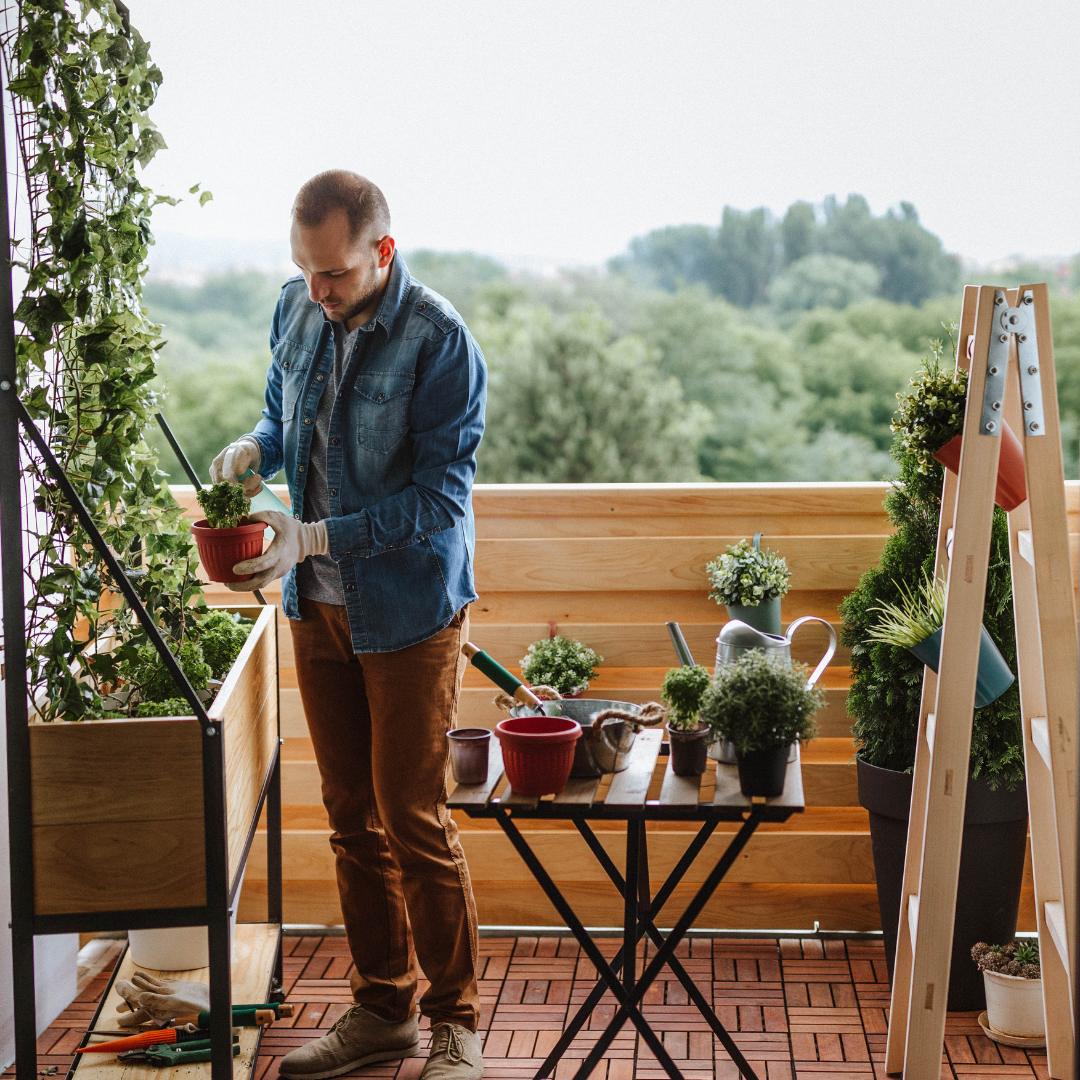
[(1012, 977), (750, 583), (225, 536), (762, 705), (929, 425), (914, 623), (564, 664), (683, 691), (885, 698)]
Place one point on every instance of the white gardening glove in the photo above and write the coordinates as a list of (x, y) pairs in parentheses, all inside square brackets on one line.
[(155, 1000), (293, 542), (234, 461)]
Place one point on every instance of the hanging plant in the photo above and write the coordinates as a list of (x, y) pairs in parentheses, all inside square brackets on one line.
[(81, 82)]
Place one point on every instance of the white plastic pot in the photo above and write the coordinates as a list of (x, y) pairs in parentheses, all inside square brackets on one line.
[(176, 948), (1014, 1005)]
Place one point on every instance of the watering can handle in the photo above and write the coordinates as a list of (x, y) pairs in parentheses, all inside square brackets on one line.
[(757, 541), (830, 652)]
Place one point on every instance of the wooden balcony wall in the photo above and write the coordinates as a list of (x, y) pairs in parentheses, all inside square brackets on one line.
[(610, 564)]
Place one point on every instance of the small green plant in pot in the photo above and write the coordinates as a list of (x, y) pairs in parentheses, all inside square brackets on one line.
[(1012, 977), (750, 583), (225, 536), (564, 664), (683, 691), (762, 706), (914, 623)]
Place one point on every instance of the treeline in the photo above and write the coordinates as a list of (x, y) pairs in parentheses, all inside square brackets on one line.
[(639, 373)]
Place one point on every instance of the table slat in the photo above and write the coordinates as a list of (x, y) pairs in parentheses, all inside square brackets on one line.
[(729, 794), (631, 786), (474, 795), (518, 802), (579, 792), (679, 790)]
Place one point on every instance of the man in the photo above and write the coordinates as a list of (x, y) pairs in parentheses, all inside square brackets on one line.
[(375, 407)]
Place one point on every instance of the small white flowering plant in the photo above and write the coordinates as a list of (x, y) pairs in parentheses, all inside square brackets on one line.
[(748, 576), (565, 664)]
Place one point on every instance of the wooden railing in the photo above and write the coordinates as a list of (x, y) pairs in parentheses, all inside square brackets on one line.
[(610, 564)]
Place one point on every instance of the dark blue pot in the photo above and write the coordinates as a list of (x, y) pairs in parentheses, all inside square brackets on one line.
[(994, 676)]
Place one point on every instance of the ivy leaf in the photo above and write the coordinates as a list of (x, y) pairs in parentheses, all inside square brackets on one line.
[(74, 241), (150, 142), (40, 314), (205, 197)]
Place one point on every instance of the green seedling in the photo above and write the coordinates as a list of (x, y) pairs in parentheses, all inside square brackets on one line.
[(225, 505)]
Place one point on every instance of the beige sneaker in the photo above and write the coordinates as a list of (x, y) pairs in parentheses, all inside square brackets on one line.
[(455, 1054), (358, 1038)]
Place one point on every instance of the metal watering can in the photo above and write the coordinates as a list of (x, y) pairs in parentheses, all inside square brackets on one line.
[(737, 638)]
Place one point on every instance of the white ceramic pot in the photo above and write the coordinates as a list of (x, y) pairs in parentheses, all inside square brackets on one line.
[(176, 948), (1014, 1005)]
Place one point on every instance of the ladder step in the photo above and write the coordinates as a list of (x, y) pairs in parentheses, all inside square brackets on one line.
[(1040, 736), (1054, 910), (913, 916), (1023, 542), (931, 727)]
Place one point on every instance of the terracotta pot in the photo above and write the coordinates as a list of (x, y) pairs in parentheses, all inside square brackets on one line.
[(538, 752), (762, 772), (689, 749), (1011, 479), (221, 549)]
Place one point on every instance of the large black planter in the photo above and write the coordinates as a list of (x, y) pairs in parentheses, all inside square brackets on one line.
[(991, 869)]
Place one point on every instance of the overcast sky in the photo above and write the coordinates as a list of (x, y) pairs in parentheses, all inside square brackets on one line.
[(559, 130)]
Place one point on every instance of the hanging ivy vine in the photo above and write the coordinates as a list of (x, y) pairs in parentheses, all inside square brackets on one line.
[(81, 83)]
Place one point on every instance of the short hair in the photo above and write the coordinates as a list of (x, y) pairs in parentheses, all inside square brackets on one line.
[(338, 189)]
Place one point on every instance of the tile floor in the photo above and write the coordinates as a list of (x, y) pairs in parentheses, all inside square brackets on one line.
[(809, 1009)]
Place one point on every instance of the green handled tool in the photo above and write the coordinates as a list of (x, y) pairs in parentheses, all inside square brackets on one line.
[(501, 677), (165, 1057), (242, 1015)]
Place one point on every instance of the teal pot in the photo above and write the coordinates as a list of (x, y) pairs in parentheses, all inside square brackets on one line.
[(991, 869), (994, 676), (764, 616), (762, 772)]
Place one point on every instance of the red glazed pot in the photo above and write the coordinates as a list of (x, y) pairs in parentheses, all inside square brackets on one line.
[(538, 752), (1011, 479), (221, 549)]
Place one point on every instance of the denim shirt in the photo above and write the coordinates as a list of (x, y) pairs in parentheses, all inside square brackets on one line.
[(400, 460)]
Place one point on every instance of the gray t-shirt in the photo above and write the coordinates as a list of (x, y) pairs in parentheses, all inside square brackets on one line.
[(317, 577)]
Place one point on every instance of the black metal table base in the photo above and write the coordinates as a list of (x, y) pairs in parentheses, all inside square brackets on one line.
[(639, 919)]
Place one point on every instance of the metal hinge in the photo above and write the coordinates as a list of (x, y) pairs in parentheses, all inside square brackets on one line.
[(1020, 321)]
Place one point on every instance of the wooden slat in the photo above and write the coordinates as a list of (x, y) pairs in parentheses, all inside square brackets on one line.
[(680, 790), (728, 792), (659, 563), (580, 791), (631, 786), (254, 953)]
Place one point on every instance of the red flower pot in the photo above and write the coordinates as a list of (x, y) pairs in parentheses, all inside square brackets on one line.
[(221, 549), (538, 752), (1011, 479)]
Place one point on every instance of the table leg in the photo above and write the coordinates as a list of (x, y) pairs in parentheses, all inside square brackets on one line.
[(630, 905), (628, 1010), (666, 951), (580, 1018), (648, 925)]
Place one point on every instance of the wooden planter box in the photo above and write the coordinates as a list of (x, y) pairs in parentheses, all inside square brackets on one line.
[(118, 804)]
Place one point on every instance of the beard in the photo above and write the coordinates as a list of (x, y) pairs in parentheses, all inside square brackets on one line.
[(369, 291)]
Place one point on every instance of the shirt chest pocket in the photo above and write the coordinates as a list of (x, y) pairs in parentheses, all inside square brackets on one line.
[(380, 409), (295, 362)]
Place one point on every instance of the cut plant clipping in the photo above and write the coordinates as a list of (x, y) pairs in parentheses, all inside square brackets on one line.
[(225, 536)]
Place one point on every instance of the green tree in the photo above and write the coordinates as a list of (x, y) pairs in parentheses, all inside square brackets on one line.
[(822, 281), (746, 249), (797, 232), (671, 257), (569, 404), (457, 275)]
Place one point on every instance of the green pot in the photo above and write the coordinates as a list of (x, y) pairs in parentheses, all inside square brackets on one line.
[(764, 616), (993, 676)]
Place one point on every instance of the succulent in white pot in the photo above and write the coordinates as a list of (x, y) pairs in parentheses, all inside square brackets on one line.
[(1012, 977)]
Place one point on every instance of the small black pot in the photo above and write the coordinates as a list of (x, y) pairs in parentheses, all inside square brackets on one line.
[(991, 869), (689, 750), (762, 772)]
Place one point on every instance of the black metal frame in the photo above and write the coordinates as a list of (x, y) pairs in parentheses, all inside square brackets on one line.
[(639, 913)]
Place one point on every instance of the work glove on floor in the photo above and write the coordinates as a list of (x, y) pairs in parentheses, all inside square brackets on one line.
[(293, 542), (235, 460), (159, 1000)]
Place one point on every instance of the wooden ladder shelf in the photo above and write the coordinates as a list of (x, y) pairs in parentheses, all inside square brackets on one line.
[(1011, 378)]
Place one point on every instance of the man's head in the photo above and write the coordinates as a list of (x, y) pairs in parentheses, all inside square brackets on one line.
[(341, 242)]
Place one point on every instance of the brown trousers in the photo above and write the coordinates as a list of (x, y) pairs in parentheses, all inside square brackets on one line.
[(378, 722)]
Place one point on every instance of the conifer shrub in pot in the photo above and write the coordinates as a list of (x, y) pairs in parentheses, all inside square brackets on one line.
[(225, 536), (884, 701), (683, 691), (762, 706), (750, 583), (564, 664)]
